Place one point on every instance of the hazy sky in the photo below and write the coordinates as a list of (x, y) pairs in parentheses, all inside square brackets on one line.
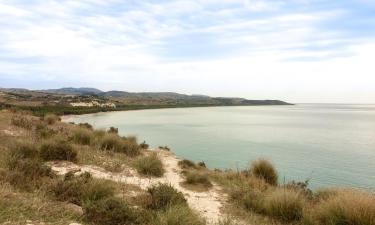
[(294, 50)]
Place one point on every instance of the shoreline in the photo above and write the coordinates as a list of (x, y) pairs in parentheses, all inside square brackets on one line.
[(66, 116)]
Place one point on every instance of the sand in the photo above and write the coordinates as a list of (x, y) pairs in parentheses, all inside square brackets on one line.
[(208, 203)]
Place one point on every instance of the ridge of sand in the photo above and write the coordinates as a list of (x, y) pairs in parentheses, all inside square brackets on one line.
[(208, 203)]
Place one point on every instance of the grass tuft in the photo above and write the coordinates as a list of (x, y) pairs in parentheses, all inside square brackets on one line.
[(198, 178), (149, 165), (164, 196), (262, 168), (346, 207), (57, 149), (178, 215), (284, 204), (83, 136)]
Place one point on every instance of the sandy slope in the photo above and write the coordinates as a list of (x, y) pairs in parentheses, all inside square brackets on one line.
[(208, 204)]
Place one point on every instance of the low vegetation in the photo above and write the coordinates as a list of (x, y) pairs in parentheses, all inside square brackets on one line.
[(164, 196), (149, 165), (83, 136), (198, 179), (127, 145), (57, 149), (264, 169)]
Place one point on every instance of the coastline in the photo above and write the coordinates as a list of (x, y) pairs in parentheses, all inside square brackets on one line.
[(67, 116)]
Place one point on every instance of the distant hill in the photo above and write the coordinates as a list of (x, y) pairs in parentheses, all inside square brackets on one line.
[(62, 100), (73, 91)]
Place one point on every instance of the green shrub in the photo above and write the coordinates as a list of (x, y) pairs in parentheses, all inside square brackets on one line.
[(179, 215), (57, 149), (164, 196), (264, 169), (149, 165), (185, 164), (346, 207), (22, 121), (51, 119), (198, 178), (109, 211), (80, 189), (284, 204), (83, 136)]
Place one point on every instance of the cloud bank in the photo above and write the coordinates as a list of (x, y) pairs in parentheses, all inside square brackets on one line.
[(295, 50)]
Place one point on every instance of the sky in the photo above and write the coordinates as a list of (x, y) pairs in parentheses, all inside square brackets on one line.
[(292, 50)]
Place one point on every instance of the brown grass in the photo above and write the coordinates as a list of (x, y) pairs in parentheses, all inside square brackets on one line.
[(149, 165), (262, 168), (346, 207)]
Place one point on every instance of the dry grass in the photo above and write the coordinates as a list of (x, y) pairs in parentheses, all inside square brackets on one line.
[(83, 136), (197, 181), (178, 215), (17, 207), (51, 119), (284, 204), (57, 149), (149, 165), (345, 207), (264, 169)]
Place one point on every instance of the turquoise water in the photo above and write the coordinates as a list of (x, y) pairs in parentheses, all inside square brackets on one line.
[(332, 145)]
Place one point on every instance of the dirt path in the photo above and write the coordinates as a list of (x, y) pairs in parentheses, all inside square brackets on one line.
[(208, 204)]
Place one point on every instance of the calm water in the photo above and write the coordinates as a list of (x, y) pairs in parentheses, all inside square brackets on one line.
[(330, 144)]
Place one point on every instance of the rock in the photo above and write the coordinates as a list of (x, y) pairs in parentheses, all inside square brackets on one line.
[(75, 208)]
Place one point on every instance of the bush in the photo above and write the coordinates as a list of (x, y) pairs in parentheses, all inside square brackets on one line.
[(284, 204), (86, 125), (202, 164), (130, 146), (185, 164), (197, 178), (109, 211), (253, 200), (165, 148), (144, 145), (80, 189), (111, 142), (113, 130), (265, 170), (164, 196), (51, 118), (57, 149), (82, 136), (178, 215), (23, 150), (28, 173), (150, 166), (22, 121), (348, 207), (43, 131)]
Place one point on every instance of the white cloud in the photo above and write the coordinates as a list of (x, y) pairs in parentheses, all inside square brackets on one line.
[(282, 54)]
